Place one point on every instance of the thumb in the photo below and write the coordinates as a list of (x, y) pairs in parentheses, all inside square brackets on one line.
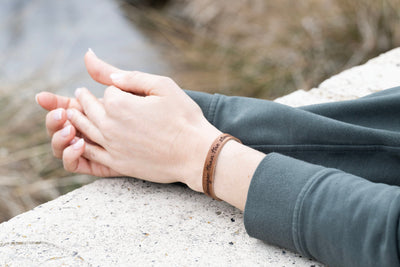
[(98, 69), (135, 82), (144, 84)]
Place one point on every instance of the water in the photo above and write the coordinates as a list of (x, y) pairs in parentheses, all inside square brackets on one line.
[(42, 44), (46, 39)]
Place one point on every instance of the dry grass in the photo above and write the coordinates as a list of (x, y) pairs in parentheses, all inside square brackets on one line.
[(269, 48)]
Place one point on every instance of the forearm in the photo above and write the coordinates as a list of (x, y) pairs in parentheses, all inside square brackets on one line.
[(235, 167)]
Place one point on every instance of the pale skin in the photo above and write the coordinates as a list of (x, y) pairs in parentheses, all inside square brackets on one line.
[(145, 127)]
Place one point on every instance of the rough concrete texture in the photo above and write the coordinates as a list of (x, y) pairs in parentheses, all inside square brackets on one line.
[(128, 222)]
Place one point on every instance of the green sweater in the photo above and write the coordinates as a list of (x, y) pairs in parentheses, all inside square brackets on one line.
[(328, 186)]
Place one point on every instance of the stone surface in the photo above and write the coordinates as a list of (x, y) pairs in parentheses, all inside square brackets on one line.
[(128, 222), (377, 74)]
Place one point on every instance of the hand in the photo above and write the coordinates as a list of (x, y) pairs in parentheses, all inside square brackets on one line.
[(100, 71), (59, 128), (157, 133), (65, 144), (236, 163)]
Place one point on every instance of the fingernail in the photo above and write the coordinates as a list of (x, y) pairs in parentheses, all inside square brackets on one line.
[(79, 144), (57, 115), (36, 98), (116, 77), (66, 131), (73, 141), (69, 114), (78, 92), (91, 51)]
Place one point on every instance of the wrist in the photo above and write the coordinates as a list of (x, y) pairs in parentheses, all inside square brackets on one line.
[(235, 167), (202, 141)]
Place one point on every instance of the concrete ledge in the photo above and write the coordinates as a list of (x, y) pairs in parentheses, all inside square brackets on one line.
[(125, 221)]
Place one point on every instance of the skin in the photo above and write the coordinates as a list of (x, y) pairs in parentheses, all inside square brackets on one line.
[(146, 127)]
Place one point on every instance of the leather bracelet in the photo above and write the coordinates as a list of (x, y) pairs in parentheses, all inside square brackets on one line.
[(211, 162)]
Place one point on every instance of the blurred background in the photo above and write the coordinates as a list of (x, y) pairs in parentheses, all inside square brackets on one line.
[(254, 48)]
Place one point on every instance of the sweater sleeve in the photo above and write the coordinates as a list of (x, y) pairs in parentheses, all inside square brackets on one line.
[(361, 137), (334, 217), (296, 200)]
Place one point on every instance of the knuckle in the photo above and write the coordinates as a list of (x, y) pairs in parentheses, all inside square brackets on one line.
[(111, 102), (76, 118), (67, 166), (133, 74), (106, 133), (77, 122), (55, 150), (71, 115), (55, 147), (48, 117), (96, 73), (49, 124), (90, 154), (165, 81), (108, 93)]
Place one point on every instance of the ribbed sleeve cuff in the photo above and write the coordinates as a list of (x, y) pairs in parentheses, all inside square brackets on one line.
[(271, 201)]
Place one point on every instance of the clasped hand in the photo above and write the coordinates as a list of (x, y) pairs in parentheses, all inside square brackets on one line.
[(145, 126)]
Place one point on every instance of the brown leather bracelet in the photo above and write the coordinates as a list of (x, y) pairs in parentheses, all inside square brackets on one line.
[(211, 162)]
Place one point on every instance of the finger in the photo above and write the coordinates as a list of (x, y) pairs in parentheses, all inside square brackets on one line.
[(141, 83), (74, 161), (85, 126), (91, 106), (72, 156), (101, 72), (62, 139), (55, 120), (50, 101), (97, 154), (98, 69)]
